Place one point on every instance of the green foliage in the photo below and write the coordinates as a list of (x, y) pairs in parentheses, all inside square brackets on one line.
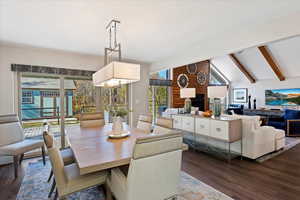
[(116, 110)]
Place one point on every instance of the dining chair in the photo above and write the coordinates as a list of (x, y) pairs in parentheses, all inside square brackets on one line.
[(145, 123), (68, 179), (154, 170), (88, 120), (163, 125), (67, 156), (13, 142)]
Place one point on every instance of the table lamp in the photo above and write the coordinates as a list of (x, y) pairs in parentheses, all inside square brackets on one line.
[(187, 93), (216, 92)]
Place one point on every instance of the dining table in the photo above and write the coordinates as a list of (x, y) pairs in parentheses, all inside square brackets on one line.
[(94, 150)]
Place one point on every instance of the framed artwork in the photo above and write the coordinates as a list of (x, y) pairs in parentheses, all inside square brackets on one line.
[(240, 95), (182, 81), (192, 68), (201, 78), (283, 97)]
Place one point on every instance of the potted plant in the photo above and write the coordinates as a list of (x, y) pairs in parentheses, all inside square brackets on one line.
[(117, 113)]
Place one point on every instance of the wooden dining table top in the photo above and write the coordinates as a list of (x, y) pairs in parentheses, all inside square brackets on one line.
[(95, 151)]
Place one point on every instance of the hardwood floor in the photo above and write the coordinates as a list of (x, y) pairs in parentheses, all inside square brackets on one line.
[(276, 179)]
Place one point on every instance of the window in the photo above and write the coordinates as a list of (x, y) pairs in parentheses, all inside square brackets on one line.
[(163, 74), (27, 97), (158, 92), (50, 93), (216, 78)]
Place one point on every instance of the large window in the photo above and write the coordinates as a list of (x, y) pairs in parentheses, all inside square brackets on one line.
[(40, 101), (158, 92)]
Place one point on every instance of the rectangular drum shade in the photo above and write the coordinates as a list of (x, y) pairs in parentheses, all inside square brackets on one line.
[(116, 73)]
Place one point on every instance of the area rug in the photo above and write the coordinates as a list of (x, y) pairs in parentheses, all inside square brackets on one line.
[(290, 142), (35, 186)]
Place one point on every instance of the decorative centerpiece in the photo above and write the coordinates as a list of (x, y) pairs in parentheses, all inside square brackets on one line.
[(118, 113), (207, 113)]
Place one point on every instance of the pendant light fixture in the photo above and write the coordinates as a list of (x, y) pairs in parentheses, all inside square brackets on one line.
[(115, 73)]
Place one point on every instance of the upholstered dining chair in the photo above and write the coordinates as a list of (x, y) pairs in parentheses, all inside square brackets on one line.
[(92, 119), (154, 170), (68, 179), (145, 123), (67, 156), (13, 142), (163, 125)]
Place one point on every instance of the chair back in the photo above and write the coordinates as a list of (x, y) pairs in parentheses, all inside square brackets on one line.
[(55, 159), (11, 130), (145, 123), (154, 170), (92, 119), (163, 125)]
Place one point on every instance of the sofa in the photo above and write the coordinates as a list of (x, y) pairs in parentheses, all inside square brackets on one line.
[(290, 116), (258, 140)]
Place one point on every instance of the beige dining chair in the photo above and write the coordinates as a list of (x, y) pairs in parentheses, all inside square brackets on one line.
[(13, 142), (68, 179), (145, 123), (163, 125), (154, 170), (67, 156), (88, 120)]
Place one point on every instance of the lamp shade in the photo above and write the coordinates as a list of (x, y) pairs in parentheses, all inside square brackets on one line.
[(216, 91), (116, 73), (187, 92)]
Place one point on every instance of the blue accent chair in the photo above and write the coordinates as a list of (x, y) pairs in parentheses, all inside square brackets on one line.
[(288, 115)]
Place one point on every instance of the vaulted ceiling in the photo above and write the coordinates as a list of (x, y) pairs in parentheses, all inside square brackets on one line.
[(285, 54), (165, 33)]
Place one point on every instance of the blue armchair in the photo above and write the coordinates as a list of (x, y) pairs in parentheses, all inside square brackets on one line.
[(290, 117)]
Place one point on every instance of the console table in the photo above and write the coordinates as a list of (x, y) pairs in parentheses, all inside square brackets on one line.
[(224, 129)]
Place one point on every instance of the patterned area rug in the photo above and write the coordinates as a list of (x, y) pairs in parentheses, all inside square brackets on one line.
[(290, 142), (35, 186)]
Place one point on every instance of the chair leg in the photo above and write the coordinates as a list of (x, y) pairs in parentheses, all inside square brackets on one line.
[(43, 154), (52, 188), (50, 176), (21, 158), (56, 195), (108, 192), (16, 165)]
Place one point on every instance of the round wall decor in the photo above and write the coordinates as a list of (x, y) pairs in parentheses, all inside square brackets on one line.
[(201, 78), (182, 81), (192, 68)]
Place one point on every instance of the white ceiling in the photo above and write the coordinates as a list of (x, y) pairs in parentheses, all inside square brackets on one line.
[(285, 53), (150, 31)]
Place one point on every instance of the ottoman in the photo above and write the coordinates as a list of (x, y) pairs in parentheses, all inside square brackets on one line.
[(279, 139)]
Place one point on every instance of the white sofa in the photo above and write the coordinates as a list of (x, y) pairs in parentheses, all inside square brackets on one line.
[(258, 140)]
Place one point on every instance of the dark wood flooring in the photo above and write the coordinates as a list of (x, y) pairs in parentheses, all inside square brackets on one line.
[(276, 179)]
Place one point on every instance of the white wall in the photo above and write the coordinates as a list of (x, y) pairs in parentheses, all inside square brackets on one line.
[(138, 96), (257, 90)]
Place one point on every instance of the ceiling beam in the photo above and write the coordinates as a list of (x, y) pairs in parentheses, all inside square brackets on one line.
[(270, 60), (242, 68)]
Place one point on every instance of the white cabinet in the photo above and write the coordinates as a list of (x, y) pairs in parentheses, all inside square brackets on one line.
[(202, 126), (224, 128), (177, 122), (188, 124), (219, 129)]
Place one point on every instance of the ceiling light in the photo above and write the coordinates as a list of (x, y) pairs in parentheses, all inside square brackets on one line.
[(115, 73)]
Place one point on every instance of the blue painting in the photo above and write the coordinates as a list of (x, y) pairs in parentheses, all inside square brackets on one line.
[(283, 97)]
